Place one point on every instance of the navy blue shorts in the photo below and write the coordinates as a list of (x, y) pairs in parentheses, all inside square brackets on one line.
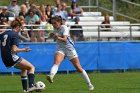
[(12, 62)]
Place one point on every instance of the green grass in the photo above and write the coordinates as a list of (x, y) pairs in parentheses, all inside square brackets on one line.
[(128, 82)]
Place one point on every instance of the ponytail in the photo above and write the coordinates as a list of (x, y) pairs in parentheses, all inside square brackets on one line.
[(17, 22)]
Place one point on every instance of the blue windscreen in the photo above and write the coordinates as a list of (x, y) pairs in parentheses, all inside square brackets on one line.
[(92, 56)]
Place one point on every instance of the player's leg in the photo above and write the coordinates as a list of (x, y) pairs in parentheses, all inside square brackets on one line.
[(77, 65), (24, 79), (25, 65), (58, 58)]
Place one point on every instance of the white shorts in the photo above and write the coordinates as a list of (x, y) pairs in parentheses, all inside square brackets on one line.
[(70, 54)]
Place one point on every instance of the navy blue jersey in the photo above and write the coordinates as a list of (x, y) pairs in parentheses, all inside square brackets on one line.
[(8, 39)]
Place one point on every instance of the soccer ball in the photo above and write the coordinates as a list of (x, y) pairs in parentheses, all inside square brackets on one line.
[(40, 85)]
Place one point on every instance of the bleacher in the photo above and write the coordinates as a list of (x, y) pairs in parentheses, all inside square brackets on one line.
[(92, 27), (92, 18), (92, 14)]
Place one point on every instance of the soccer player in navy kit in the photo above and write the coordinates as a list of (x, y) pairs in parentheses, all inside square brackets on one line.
[(65, 48), (9, 49)]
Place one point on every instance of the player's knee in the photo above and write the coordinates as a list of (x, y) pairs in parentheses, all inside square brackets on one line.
[(32, 68), (57, 63), (80, 70), (23, 71)]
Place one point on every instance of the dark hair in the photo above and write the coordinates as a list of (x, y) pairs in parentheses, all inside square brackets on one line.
[(72, 7), (37, 22), (17, 22), (48, 5), (57, 5), (31, 11), (57, 19)]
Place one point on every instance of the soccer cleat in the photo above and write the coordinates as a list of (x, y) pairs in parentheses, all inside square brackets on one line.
[(34, 88), (25, 91), (91, 87), (50, 78)]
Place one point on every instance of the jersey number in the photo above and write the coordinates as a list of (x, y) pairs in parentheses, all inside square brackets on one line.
[(5, 38)]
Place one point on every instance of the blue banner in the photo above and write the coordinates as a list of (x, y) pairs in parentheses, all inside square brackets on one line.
[(92, 56)]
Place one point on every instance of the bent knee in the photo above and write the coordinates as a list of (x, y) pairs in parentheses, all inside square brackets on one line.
[(31, 67), (80, 70)]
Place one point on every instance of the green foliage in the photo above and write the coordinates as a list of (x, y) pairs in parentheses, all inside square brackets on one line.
[(4, 2), (106, 3), (37, 2), (122, 7)]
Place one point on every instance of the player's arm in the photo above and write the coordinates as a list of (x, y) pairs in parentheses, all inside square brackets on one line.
[(65, 34), (15, 49), (63, 38), (51, 35)]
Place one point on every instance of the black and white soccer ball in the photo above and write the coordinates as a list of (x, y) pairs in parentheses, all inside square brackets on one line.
[(40, 85)]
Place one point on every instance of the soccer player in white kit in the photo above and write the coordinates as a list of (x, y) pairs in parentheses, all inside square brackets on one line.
[(65, 48)]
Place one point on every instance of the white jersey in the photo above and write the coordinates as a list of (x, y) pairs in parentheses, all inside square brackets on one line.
[(61, 45)]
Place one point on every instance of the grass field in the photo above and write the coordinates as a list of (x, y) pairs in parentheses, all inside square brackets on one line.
[(128, 82)]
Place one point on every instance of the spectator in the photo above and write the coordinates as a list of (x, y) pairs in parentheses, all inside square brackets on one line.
[(31, 18), (27, 3), (106, 26), (75, 10), (42, 11), (106, 21), (34, 8), (64, 6), (22, 19), (37, 35), (77, 34), (23, 11), (57, 2), (49, 29), (4, 15), (24, 35), (49, 12), (13, 7), (58, 12), (3, 25), (0, 9)]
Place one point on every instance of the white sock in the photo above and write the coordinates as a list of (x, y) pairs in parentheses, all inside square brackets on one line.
[(54, 70), (84, 74)]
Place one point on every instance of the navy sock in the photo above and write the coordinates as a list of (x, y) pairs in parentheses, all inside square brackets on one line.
[(31, 80), (24, 82)]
